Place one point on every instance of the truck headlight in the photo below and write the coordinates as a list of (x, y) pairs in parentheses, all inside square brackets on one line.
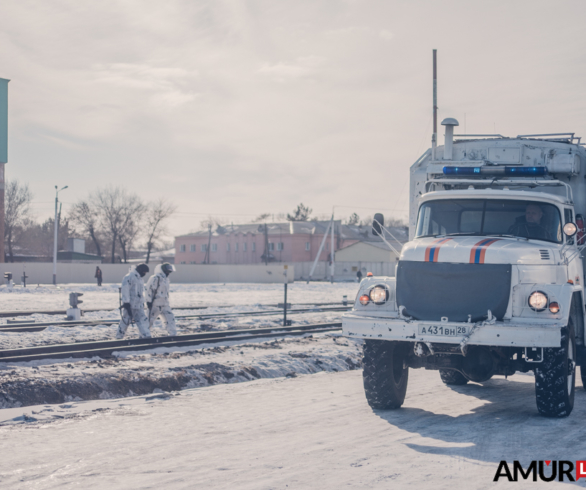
[(379, 295), (538, 300)]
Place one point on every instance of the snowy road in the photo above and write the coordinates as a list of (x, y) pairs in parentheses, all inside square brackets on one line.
[(313, 431)]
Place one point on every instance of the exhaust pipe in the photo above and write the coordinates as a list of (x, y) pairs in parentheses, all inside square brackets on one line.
[(449, 123)]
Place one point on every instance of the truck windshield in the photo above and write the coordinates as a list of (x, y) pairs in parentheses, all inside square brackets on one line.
[(490, 217)]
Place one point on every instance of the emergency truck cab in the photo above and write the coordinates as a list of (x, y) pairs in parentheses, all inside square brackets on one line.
[(492, 279)]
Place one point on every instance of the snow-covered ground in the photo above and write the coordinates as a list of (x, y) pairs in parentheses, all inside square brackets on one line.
[(313, 431), (245, 297), (267, 414), (106, 297), (142, 372)]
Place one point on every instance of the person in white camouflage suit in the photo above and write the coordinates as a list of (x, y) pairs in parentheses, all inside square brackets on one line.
[(157, 296), (132, 295)]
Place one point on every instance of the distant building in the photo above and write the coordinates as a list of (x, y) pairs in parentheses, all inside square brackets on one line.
[(291, 241), (163, 256), (156, 257), (367, 252), (75, 253)]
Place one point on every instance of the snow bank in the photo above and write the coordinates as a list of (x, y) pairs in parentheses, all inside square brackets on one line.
[(130, 374)]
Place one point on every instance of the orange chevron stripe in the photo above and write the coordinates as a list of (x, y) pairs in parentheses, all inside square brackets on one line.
[(484, 248), (432, 251), (478, 251)]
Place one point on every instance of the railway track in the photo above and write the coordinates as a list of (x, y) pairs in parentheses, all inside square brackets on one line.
[(37, 327), (6, 314), (110, 347)]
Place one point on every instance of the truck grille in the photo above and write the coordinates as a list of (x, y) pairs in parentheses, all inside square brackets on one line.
[(432, 290)]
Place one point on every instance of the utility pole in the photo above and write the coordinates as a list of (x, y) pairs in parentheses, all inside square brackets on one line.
[(57, 190), (206, 260), (3, 154), (266, 244), (332, 255), (320, 249)]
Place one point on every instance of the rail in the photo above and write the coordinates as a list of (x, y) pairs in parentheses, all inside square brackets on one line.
[(5, 314), (110, 347), (37, 327)]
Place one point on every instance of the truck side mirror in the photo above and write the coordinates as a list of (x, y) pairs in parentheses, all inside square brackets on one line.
[(377, 224)]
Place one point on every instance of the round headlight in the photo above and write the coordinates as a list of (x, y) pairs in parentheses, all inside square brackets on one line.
[(570, 229), (379, 295), (538, 300)]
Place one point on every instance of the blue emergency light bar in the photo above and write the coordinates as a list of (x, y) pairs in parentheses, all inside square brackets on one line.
[(497, 170)]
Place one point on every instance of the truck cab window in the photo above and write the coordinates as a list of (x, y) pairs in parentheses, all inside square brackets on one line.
[(490, 217)]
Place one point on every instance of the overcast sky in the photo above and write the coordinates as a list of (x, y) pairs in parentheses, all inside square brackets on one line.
[(237, 108)]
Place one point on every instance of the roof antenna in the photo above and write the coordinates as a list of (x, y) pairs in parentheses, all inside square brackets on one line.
[(434, 135)]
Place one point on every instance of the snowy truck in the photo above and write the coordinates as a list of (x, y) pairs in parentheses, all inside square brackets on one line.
[(492, 279)]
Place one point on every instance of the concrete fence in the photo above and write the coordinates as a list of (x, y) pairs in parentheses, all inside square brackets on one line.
[(42, 273), (343, 271)]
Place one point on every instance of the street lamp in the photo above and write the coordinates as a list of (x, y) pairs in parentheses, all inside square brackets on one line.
[(57, 190)]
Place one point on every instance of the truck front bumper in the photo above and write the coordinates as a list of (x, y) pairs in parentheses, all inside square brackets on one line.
[(500, 334)]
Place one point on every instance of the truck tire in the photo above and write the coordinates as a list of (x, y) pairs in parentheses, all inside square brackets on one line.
[(451, 377), (385, 376), (583, 376), (555, 377)]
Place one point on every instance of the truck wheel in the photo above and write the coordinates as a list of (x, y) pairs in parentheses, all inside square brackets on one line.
[(384, 375), (451, 377), (555, 377)]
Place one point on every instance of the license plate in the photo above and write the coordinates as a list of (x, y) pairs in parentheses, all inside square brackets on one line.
[(441, 330)]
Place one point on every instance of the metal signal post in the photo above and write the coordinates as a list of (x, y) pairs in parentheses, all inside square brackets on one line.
[(57, 190)]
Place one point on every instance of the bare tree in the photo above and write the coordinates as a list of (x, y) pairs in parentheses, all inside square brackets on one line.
[(130, 232), (157, 214), (37, 238), (86, 215), (261, 218), (121, 213), (132, 223), (18, 199), (212, 221), (300, 214), (367, 221), (397, 223), (354, 219)]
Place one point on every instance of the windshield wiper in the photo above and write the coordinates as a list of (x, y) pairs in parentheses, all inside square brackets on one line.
[(439, 235), (506, 236)]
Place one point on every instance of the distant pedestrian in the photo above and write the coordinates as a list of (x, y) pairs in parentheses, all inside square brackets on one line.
[(132, 298), (359, 275), (98, 276), (157, 296)]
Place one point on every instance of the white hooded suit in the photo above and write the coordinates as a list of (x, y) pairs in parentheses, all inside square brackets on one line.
[(132, 292), (157, 293)]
